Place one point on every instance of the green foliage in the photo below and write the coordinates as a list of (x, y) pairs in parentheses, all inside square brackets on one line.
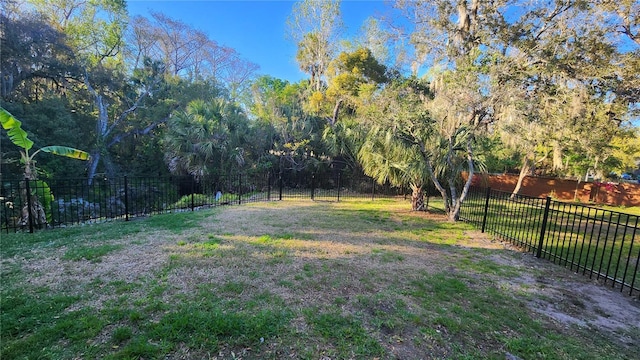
[(196, 199), (14, 130), (43, 193), (496, 156), (19, 138), (398, 125), (49, 122), (94, 29), (204, 199), (288, 135), (32, 50), (66, 151), (207, 138), (349, 72)]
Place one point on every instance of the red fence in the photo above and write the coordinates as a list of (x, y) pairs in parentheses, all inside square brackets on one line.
[(617, 194)]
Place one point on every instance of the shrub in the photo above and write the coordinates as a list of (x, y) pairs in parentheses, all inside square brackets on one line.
[(204, 199)]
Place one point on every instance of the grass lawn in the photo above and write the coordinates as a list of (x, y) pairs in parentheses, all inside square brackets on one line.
[(299, 280)]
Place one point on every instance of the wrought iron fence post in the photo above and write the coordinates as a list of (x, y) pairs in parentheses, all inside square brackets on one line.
[(339, 175), (373, 189), (269, 186), (313, 186), (29, 214), (633, 279), (543, 229), (486, 209), (126, 199), (193, 189), (280, 187), (626, 268), (239, 189)]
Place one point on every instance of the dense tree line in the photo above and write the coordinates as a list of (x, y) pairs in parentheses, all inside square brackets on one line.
[(429, 91)]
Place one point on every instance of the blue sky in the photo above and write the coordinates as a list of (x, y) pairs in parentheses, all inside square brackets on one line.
[(255, 29)]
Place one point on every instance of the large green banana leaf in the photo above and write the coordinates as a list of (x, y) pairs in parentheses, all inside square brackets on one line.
[(14, 130), (66, 151)]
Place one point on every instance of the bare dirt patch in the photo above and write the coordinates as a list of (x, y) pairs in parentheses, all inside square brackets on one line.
[(572, 299)]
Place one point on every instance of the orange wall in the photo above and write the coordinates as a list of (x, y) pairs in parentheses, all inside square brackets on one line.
[(618, 194)]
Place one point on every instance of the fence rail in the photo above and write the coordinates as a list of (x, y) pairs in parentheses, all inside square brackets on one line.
[(58, 203), (598, 243)]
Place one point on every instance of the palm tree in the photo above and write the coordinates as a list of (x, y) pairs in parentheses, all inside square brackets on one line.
[(205, 138), (387, 158), (393, 150)]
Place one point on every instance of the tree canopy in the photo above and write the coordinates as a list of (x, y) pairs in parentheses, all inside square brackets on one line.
[(427, 94)]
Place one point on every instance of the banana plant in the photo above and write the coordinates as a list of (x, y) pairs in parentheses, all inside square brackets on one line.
[(34, 211), (19, 138)]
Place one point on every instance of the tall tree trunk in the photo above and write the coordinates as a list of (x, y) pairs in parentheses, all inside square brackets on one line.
[(557, 156), (452, 185), (436, 183), (417, 198), (524, 170), (93, 165), (454, 214), (105, 131), (102, 129)]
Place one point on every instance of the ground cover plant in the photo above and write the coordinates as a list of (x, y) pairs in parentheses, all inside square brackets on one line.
[(301, 280)]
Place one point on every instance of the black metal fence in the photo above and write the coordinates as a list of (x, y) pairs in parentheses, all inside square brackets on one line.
[(598, 243), (62, 202)]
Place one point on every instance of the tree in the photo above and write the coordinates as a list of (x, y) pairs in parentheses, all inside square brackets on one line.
[(626, 150), (141, 42), (207, 138), (33, 55), (453, 38), (353, 79), (107, 125), (399, 129), (95, 32), (294, 136), (460, 111), (94, 28), (564, 77), (379, 42), (314, 26), (551, 66), (177, 42)]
